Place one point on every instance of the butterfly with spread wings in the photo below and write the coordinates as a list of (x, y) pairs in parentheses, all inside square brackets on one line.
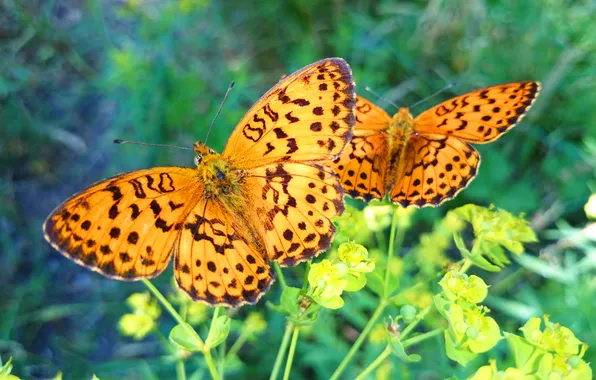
[(268, 197), (426, 160)]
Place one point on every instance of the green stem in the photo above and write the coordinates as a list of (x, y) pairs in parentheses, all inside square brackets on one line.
[(282, 351), (419, 338), (360, 340), (214, 317), (221, 358), (237, 345), (306, 270), (419, 317), (465, 266), (168, 306), (180, 371), (291, 352), (280, 275), (171, 310), (390, 251), (387, 351), (211, 365), (376, 363)]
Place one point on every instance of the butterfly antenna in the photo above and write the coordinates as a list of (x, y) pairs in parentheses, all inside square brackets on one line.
[(118, 141), (433, 95), (219, 110), (380, 97)]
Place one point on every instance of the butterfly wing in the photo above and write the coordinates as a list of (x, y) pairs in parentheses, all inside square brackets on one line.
[(363, 163), (124, 227), (308, 116), (480, 116), (293, 204), (218, 260), (434, 168)]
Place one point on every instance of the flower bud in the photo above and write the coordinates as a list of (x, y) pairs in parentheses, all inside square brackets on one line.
[(408, 313)]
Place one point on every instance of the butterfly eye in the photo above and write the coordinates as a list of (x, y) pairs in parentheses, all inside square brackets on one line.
[(198, 159)]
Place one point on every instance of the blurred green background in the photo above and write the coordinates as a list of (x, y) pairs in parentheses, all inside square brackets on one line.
[(76, 74)]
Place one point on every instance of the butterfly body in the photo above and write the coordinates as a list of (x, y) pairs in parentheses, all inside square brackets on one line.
[(219, 176), (268, 197), (425, 160)]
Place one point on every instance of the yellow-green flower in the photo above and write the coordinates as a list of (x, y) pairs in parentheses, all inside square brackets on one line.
[(142, 303), (327, 283), (404, 216), (377, 217), (469, 288), (142, 320), (351, 226), (136, 325), (590, 207), (355, 256), (196, 313), (490, 372), (473, 330), (430, 252), (498, 226), (255, 324), (555, 337)]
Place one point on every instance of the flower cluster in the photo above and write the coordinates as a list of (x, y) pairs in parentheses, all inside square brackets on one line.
[(142, 320), (330, 278), (430, 253), (494, 230), (470, 330), (590, 207), (552, 353)]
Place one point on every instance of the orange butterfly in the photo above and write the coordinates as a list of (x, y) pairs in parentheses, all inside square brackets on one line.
[(267, 197), (427, 160)]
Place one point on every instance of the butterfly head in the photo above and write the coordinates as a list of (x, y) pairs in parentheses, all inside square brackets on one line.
[(218, 176), (202, 151), (402, 124), (403, 118)]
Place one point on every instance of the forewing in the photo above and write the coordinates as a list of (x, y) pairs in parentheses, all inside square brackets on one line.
[(219, 261), (293, 204), (434, 169), (124, 227), (307, 116), (480, 116)]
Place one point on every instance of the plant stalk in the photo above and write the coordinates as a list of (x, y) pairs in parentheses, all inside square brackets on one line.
[(291, 352), (282, 351)]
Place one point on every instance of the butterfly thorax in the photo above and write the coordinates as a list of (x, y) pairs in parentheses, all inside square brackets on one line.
[(400, 129), (218, 175)]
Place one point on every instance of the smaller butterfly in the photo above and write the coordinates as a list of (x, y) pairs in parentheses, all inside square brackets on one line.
[(426, 160)]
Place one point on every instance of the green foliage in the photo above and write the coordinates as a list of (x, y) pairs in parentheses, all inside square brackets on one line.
[(75, 75)]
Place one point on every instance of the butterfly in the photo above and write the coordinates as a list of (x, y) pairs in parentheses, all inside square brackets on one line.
[(426, 160), (268, 197)]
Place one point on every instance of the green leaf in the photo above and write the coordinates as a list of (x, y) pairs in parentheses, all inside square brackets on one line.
[(183, 339), (375, 283), (463, 357), (398, 350), (332, 303), (459, 243), (355, 283), (5, 370), (523, 351), (218, 332), (289, 300), (442, 304)]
